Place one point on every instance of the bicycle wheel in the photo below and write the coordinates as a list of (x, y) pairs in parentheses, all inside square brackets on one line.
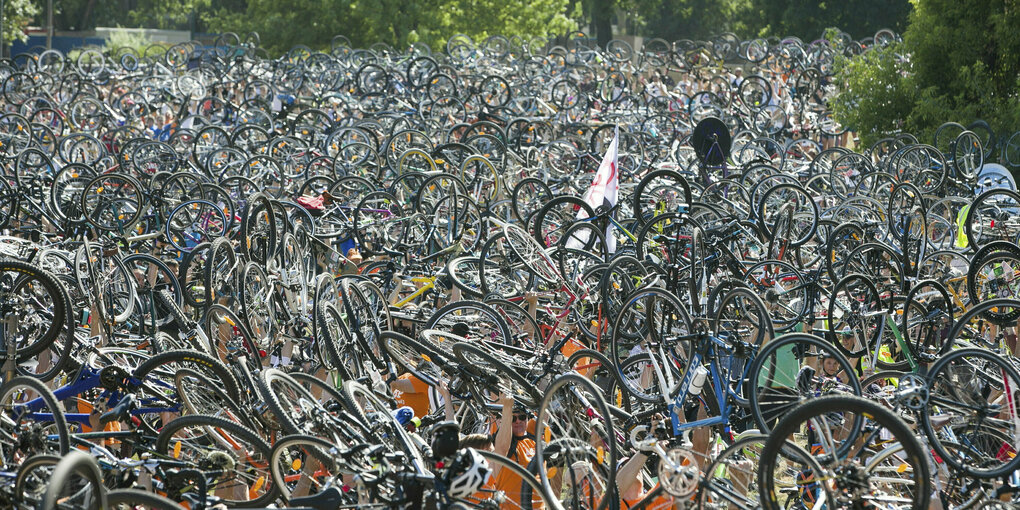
[(220, 270), (259, 230), (112, 202), (135, 499), (879, 262), (970, 416), (34, 476), (379, 221), (995, 275), (523, 326), (731, 479), (289, 402), (414, 357), (256, 293), (842, 241), (855, 315), (666, 240), (34, 307), (228, 338), (331, 334), (31, 416), (200, 395), (500, 271), (794, 368), (992, 217), (576, 444), (651, 318), (193, 222), (370, 410), (465, 273), (491, 374), (741, 316), (504, 491), (805, 210), (783, 290), (660, 192), (927, 320), (244, 458), (303, 465), (553, 219), (106, 278), (839, 474), (529, 196), (602, 371), (76, 483), (532, 254), (156, 373), (473, 320)]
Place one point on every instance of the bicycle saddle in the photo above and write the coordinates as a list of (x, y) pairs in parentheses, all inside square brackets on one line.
[(328, 499), (120, 412)]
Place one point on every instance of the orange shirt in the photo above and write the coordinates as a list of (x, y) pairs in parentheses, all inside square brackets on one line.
[(507, 481), (571, 347), (418, 399), (660, 502)]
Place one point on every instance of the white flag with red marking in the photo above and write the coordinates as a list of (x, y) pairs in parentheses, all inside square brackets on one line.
[(605, 188)]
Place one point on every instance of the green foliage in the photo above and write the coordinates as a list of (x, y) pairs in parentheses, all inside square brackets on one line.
[(876, 93), (128, 39), (399, 23), (964, 65), (17, 15), (808, 19), (695, 19), (163, 14)]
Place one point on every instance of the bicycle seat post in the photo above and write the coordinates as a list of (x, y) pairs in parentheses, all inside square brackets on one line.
[(10, 368)]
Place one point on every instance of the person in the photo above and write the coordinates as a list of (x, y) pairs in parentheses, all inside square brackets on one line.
[(408, 390), (654, 87), (738, 77), (513, 440), (667, 81), (478, 442)]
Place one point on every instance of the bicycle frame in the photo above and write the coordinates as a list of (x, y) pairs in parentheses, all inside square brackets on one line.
[(721, 388), (89, 379)]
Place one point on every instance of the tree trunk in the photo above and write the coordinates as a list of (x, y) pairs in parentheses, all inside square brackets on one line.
[(601, 16)]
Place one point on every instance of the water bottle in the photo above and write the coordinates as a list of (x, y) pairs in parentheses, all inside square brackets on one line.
[(698, 383)]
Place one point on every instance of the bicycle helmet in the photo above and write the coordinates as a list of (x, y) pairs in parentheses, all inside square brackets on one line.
[(404, 415), (467, 474)]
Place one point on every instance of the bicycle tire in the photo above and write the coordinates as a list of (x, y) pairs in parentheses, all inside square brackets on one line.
[(269, 382), (203, 362), (766, 370), (955, 386), (776, 447), (402, 350), (133, 498), (491, 376), (82, 464), (261, 450), (51, 404), (461, 317), (23, 484), (566, 449), (313, 448), (54, 320), (549, 235)]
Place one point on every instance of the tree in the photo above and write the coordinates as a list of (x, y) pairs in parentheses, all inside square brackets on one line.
[(875, 93), (17, 15), (808, 19), (960, 62), (693, 19), (283, 25)]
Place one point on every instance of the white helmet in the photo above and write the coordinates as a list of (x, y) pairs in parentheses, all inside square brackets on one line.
[(467, 474)]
